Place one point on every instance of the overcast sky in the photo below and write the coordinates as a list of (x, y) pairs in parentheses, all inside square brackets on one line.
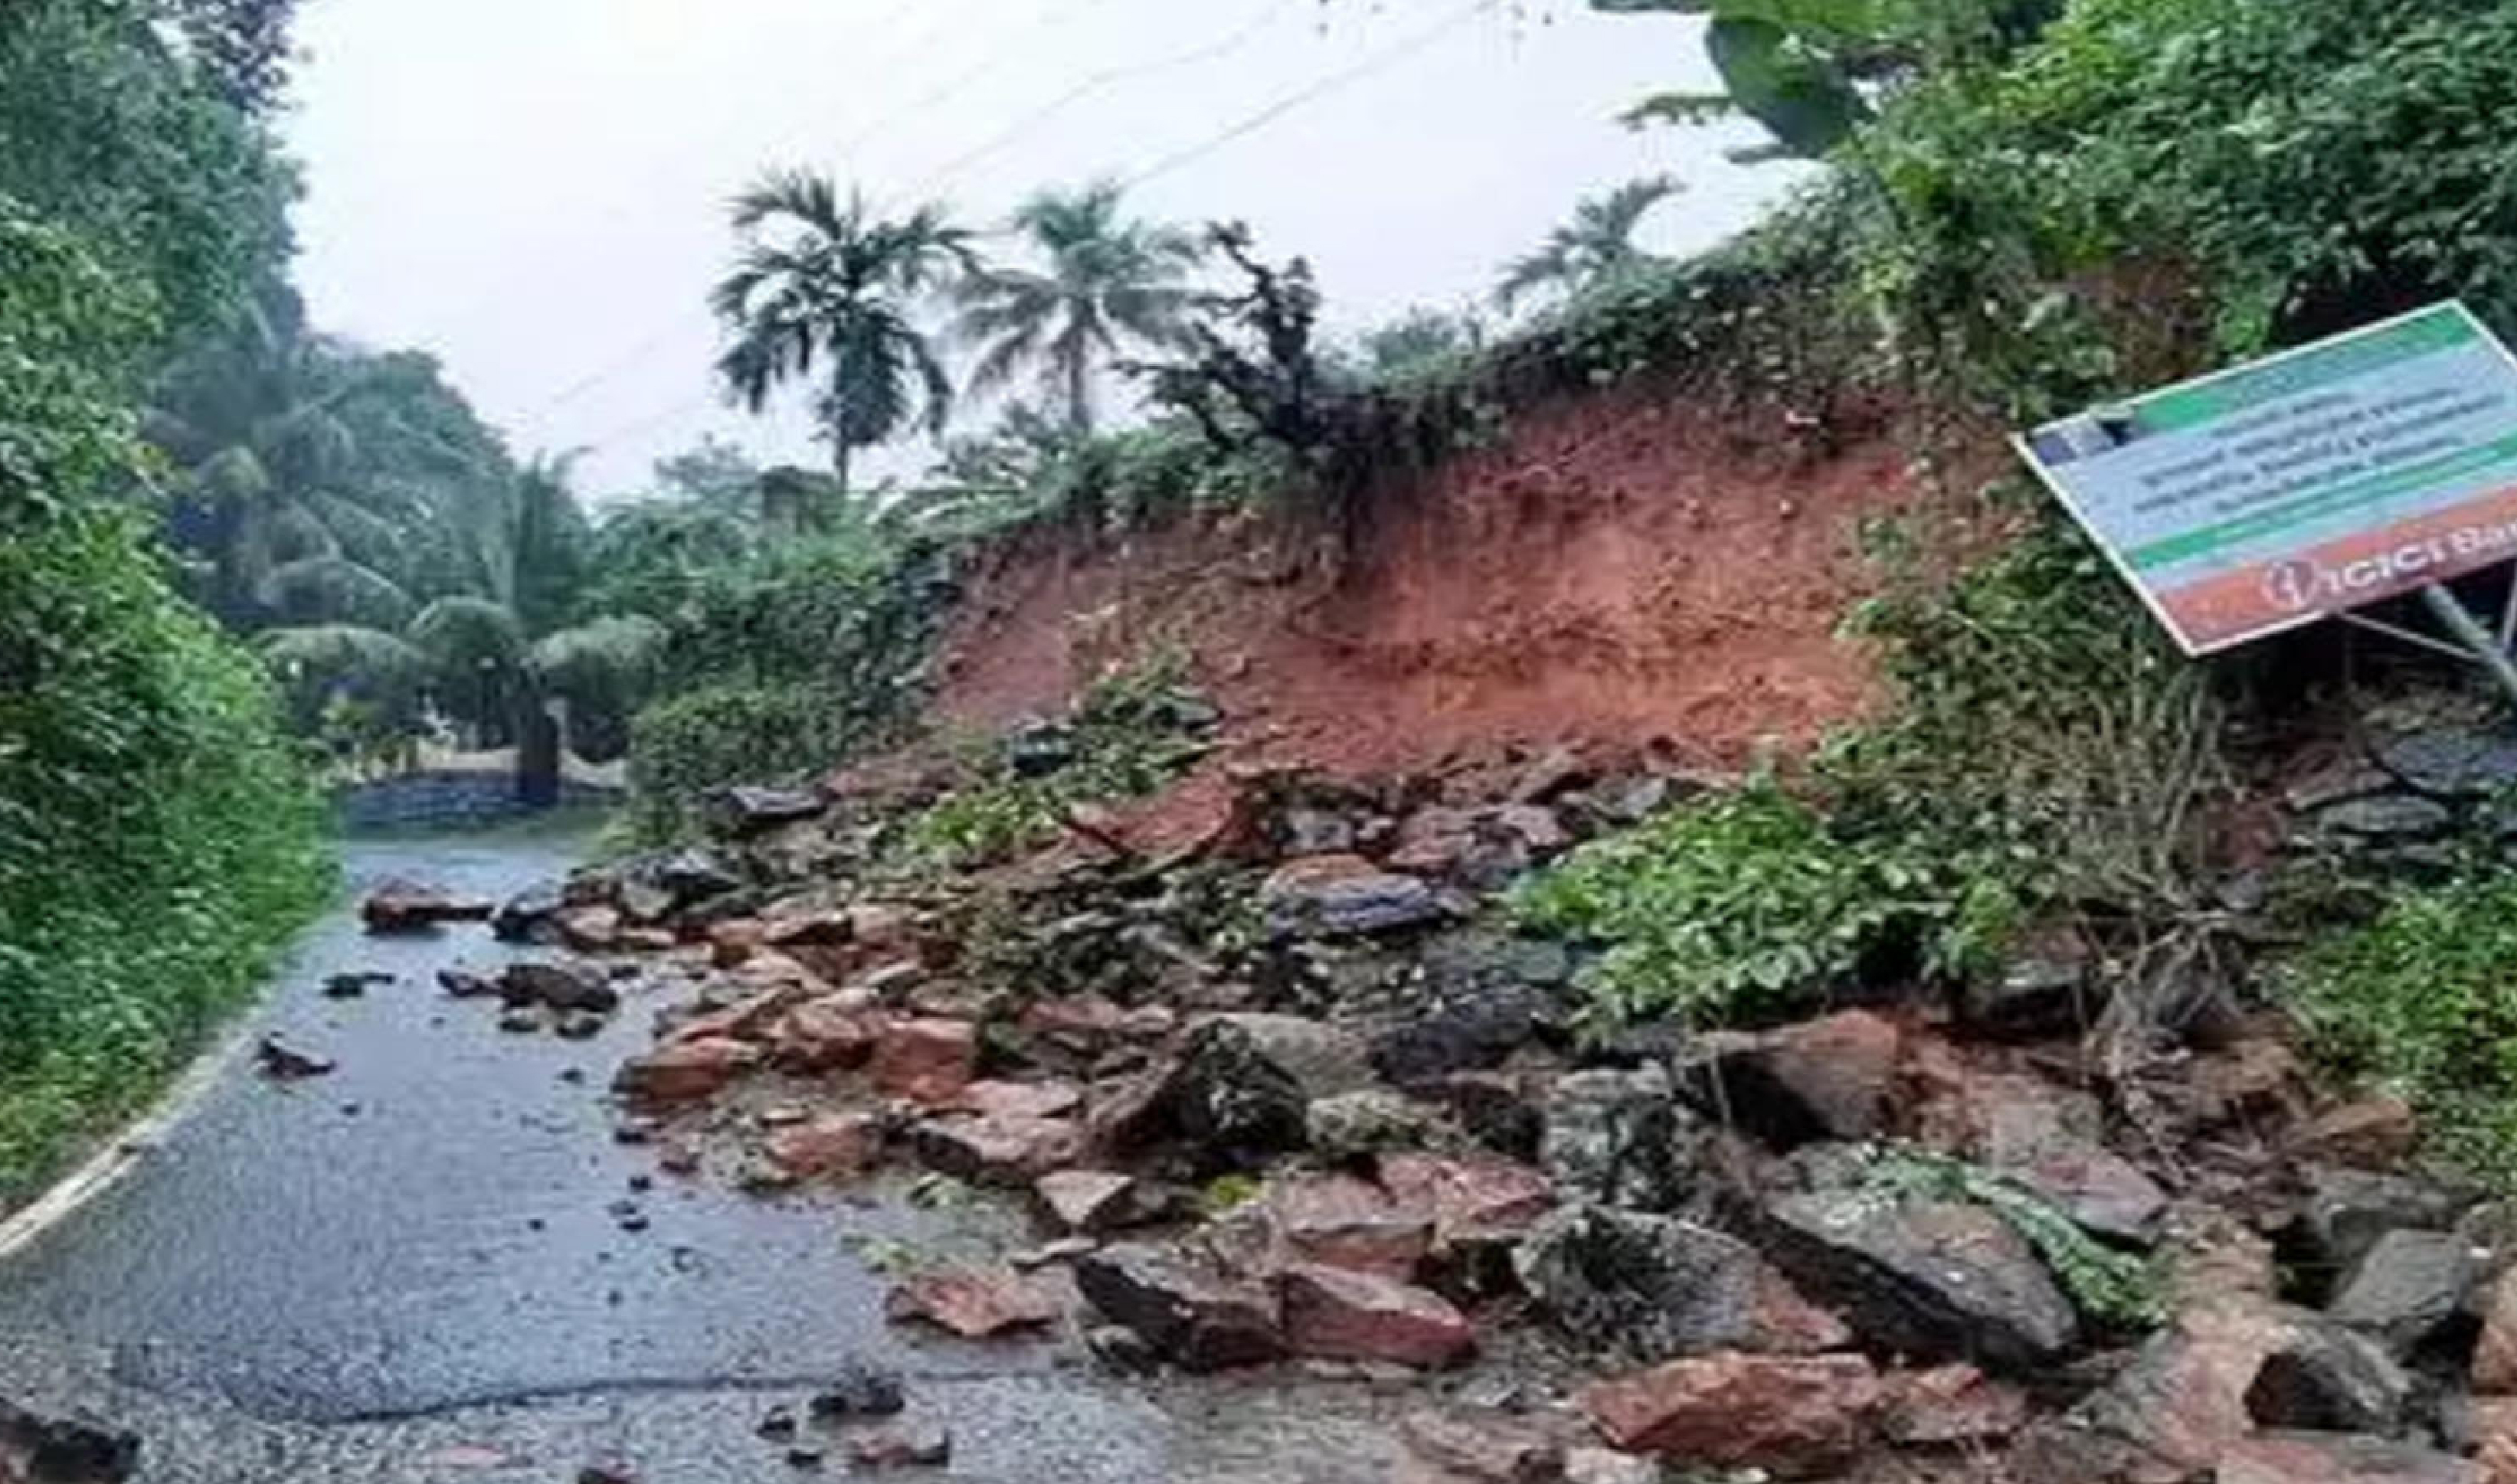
[(535, 189)]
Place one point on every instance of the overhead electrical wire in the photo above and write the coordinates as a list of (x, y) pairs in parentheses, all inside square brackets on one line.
[(1377, 61)]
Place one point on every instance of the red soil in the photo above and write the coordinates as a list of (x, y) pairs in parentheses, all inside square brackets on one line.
[(1624, 571)]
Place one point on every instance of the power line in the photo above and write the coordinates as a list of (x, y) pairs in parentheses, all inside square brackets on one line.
[(1378, 61), (1387, 56), (1212, 50), (945, 91)]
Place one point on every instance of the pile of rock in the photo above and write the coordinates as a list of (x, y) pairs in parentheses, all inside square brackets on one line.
[(1281, 1086)]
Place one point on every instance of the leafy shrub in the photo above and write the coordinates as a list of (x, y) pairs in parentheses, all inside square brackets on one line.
[(1126, 738), (682, 749), (2114, 1287), (1735, 907), (2421, 1002), (157, 839)]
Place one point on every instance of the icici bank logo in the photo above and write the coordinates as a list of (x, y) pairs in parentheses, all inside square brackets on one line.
[(2293, 584)]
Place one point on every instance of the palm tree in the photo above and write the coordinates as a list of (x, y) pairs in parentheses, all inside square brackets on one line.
[(1597, 244), (1104, 278), (492, 659), (822, 281)]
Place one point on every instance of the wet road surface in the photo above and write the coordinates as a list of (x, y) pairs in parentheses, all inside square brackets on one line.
[(412, 1270)]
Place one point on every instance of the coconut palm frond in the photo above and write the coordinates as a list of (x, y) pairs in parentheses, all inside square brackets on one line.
[(462, 634), (338, 651), (333, 589), (609, 663)]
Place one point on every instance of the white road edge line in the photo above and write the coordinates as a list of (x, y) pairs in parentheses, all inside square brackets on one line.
[(125, 1150)]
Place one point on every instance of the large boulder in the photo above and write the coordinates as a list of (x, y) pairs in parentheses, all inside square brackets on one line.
[(2494, 1352), (1009, 1149), (1243, 1084), (1923, 1277), (1187, 1312), (1344, 1222), (1787, 1415), (406, 906), (1337, 896), (2049, 1139), (2348, 1211), (1648, 1288), (526, 916), (562, 985), (1623, 1138), (749, 811), (2410, 1289), (1338, 1313), (685, 1070), (1825, 1078), (2199, 1388), (928, 1060)]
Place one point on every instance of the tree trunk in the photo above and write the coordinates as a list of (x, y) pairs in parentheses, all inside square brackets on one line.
[(1078, 396), (537, 755)]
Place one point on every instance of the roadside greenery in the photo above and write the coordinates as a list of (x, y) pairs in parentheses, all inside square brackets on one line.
[(2420, 1002), (157, 838)]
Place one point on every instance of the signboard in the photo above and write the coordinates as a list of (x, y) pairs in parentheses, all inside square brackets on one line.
[(2287, 489)]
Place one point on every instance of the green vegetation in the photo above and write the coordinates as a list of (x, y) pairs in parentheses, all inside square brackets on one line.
[(1741, 906), (2420, 1001), (1596, 246), (2114, 1287), (1128, 735), (157, 840)]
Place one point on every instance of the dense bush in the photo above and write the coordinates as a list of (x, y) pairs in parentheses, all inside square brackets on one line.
[(156, 837), (725, 734), (2422, 1002), (1743, 906)]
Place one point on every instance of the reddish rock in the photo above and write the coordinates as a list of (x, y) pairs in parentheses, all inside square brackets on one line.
[(837, 1143), (2189, 1395), (1091, 1201), (649, 939), (901, 1447), (590, 929), (926, 1061), (735, 940), (2373, 1133), (1825, 1078), (1471, 1202), (830, 1034), (2493, 1433), (1341, 1221), (1342, 1314), (1949, 1404), (1482, 1446), (2048, 1138), (685, 1070), (1785, 1414), (400, 907), (1037, 1100), (2321, 1457), (748, 1019), (1184, 1311), (2494, 1355), (1084, 1024), (1007, 1149), (974, 1305)]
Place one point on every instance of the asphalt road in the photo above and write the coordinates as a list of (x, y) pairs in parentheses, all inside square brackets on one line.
[(412, 1270)]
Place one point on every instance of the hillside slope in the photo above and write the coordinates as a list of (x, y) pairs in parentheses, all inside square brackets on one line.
[(1630, 568)]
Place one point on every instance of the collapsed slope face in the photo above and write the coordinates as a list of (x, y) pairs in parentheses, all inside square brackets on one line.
[(1622, 569)]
